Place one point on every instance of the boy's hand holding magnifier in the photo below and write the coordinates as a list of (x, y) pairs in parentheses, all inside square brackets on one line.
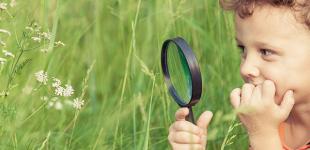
[(183, 79)]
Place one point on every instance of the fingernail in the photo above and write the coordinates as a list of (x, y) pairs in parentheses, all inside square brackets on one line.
[(290, 92)]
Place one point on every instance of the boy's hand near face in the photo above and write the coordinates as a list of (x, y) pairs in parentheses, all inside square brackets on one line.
[(260, 114), (184, 135)]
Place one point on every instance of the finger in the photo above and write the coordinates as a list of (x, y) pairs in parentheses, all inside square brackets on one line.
[(177, 146), (185, 138), (246, 92), (268, 91), (204, 120), (181, 114), (287, 103), (257, 93), (235, 97), (186, 127)]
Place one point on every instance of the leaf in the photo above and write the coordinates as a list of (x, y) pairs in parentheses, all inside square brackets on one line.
[(20, 66)]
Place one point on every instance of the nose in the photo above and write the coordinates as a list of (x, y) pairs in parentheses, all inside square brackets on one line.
[(249, 69)]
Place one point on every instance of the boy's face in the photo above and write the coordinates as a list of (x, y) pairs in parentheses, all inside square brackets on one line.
[(275, 47)]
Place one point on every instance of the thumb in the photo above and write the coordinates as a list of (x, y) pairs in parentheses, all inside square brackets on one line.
[(287, 103), (204, 120), (181, 114)]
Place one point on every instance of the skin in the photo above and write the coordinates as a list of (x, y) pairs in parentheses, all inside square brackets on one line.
[(275, 52), (184, 135), (280, 54)]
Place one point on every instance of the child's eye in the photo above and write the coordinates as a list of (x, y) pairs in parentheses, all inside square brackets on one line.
[(266, 52)]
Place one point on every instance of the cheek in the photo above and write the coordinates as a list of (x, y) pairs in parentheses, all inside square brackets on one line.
[(280, 81), (300, 84), (290, 78), (290, 73), (297, 78)]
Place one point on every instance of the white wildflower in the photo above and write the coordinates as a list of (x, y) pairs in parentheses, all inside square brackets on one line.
[(13, 3), (68, 91), (44, 50), (56, 83), (46, 35), (36, 39), (41, 76), (59, 43), (2, 61), (78, 103), (58, 105), (59, 91), (8, 54), (5, 31), (3, 6)]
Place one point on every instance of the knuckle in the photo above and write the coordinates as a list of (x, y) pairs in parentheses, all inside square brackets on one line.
[(179, 136)]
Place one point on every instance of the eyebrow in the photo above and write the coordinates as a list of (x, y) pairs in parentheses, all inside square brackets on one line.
[(266, 45), (260, 44)]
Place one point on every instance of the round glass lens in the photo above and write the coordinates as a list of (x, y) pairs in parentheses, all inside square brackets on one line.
[(179, 72)]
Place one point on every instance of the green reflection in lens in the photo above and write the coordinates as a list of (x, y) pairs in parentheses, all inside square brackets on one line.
[(179, 72)]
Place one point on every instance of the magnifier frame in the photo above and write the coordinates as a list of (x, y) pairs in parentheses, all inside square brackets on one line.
[(193, 67)]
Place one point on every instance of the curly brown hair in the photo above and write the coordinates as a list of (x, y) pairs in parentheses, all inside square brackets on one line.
[(245, 8)]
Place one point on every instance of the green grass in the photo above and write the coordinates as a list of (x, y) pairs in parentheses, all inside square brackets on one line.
[(126, 101)]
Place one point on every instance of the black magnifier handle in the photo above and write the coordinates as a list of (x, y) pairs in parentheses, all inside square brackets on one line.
[(190, 116)]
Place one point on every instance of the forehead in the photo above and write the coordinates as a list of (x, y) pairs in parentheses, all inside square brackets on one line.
[(270, 22)]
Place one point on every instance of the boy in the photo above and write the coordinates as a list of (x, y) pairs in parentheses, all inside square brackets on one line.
[(274, 102)]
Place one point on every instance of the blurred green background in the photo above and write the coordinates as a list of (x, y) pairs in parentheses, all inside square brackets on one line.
[(127, 105)]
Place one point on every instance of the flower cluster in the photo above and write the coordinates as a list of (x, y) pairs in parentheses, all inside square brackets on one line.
[(5, 53), (4, 6), (78, 103), (61, 94), (38, 36), (41, 76), (66, 91)]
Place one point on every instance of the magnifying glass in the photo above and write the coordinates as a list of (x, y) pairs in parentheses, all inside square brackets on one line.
[(182, 73)]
